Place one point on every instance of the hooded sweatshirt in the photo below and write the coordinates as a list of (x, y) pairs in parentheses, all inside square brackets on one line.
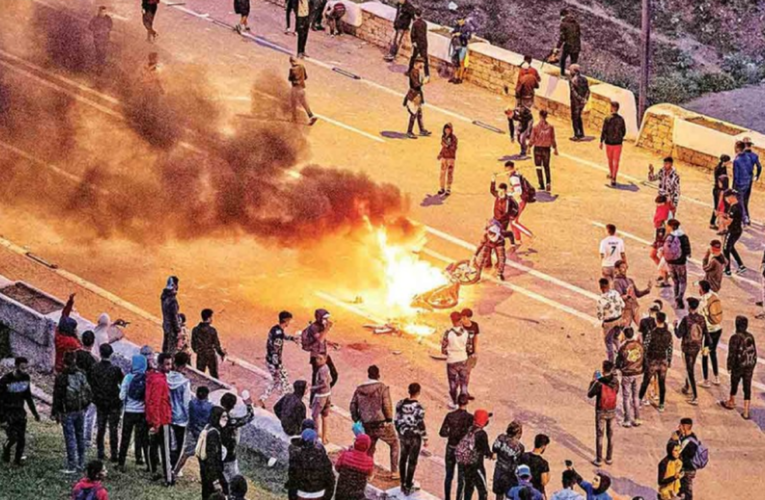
[(171, 323), (158, 409), (180, 395), (371, 404), (310, 470), (85, 484), (354, 467), (101, 332), (410, 418), (291, 410), (599, 493), (133, 405)]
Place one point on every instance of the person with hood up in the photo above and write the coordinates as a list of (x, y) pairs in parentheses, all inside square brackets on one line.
[(448, 155), (410, 425), (310, 475), (508, 450), (106, 332), (71, 397), (230, 434), (354, 469), (604, 388), (199, 415), (65, 338), (523, 475), (291, 410), (159, 418), (314, 339), (372, 406), (91, 486), (133, 394), (206, 344), (210, 454), (475, 472), (171, 323), (670, 472), (567, 493), (105, 381), (180, 397), (598, 488)]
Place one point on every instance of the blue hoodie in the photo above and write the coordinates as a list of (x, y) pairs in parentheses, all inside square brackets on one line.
[(180, 395), (133, 405)]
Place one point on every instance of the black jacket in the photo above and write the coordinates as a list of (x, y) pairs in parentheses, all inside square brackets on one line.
[(213, 465), (171, 323), (310, 470), (205, 341), (404, 15), (570, 35), (456, 426), (85, 361), (420, 34), (105, 380), (614, 130), (291, 411)]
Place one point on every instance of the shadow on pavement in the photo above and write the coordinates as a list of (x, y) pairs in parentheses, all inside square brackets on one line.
[(630, 488), (431, 200), (516, 157), (632, 187), (388, 134), (545, 197)]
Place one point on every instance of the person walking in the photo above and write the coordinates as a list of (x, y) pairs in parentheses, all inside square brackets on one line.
[(630, 361), (527, 84), (206, 344), (630, 294), (290, 9), (302, 25), (670, 473), (721, 184), (412, 434), (711, 309), (610, 313), (605, 389), (579, 95), (677, 251), (454, 347), (415, 98), (372, 406), (314, 339), (210, 454), (508, 450), (309, 474), (105, 381), (669, 183), (658, 355), (473, 331), (569, 41), (91, 487), (692, 330), (745, 172), (405, 12), (419, 42), (734, 220), (297, 78), (355, 468), (455, 426), (612, 135), (199, 416), (291, 410), (71, 397), (714, 265), (180, 397), (543, 141), (149, 9), (242, 9), (159, 418), (447, 156), (15, 392), (471, 452), (690, 446), (540, 468), (274, 361), (171, 322), (133, 393), (101, 28), (742, 359), (612, 250), (230, 435)]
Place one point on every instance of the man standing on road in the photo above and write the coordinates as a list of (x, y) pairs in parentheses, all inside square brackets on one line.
[(543, 142), (610, 312), (149, 8), (658, 355), (742, 358), (612, 135), (734, 219), (689, 444), (171, 322), (405, 12), (475, 472), (692, 330), (101, 27), (579, 95), (71, 397), (508, 450), (604, 388), (540, 469), (454, 347), (744, 175), (455, 426), (669, 183), (180, 397), (612, 250), (302, 26), (677, 251), (756, 162), (420, 42), (570, 40), (473, 330), (712, 311), (372, 406), (629, 361), (297, 78), (630, 294), (15, 391), (206, 344), (410, 426), (280, 380)]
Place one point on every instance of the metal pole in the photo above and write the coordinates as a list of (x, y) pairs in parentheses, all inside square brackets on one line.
[(645, 59)]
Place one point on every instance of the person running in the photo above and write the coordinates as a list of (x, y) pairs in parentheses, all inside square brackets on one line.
[(302, 26), (199, 415), (314, 340), (101, 28), (447, 156), (658, 355), (612, 250), (15, 391), (669, 182), (419, 39), (527, 84), (692, 330), (171, 322), (471, 452), (540, 468), (579, 95), (612, 135), (744, 175), (543, 141), (280, 380), (355, 468), (567, 493), (415, 99), (711, 309), (714, 265), (412, 434), (230, 435), (670, 473), (734, 219), (610, 313), (159, 418), (133, 393), (180, 397), (372, 406), (206, 344), (149, 9), (677, 251), (604, 388), (405, 12), (242, 9), (291, 410), (91, 487), (71, 397), (524, 489), (211, 454), (721, 184), (742, 359), (454, 347), (455, 426), (630, 361), (508, 450), (297, 78), (630, 293), (689, 444), (105, 381), (569, 41)]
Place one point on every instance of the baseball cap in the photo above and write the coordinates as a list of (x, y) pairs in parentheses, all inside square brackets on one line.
[(523, 471), (481, 418)]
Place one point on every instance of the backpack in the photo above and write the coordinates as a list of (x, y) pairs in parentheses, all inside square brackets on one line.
[(701, 458), (696, 336), (200, 450), (88, 493), (78, 393), (747, 352), (714, 310), (137, 388), (465, 453), (673, 249), (307, 340), (607, 398), (528, 192)]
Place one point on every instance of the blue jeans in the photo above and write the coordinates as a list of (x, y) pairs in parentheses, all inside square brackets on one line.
[(744, 192), (73, 424), (90, 423)]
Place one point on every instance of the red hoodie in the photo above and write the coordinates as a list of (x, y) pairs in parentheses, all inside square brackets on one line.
[(64, 344), (101, 493), (158, 409)]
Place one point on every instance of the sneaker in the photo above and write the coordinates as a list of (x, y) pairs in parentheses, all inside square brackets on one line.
[(609, 461), (741, 270), (645, 402), (717, 380), (694, 402), (501, 277), (441, 192), (574, 139), (312, 121), (597, 463), (728, 273), (627, 424), (247, 28), (549, 188), (395, 476), (411, 136), (760, 315), (706, 383), (447, 193), (685, 390), (471, 397), (287, 32), (661, 408), (712, 226), (637, 423), (69, 472), (425, 133), (452, 406)]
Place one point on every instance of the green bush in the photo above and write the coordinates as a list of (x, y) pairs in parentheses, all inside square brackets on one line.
[(743, 70), (673, 89), (713, 82)]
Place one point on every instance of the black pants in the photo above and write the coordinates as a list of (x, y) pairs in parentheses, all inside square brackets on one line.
[(715, 336), (159, 453), (179, 433), (317, 11), (17, 435), (690, 368), (542, 161), (744, 376), (170, 342), (730, 249), (207, 477), (149, 12), (290, 8), (715, 201), (407, 462), (100, 47), (418, 118), (475, 479), (302, 26), (205, 361), (420, 52), (576, 121), (661, 376), (108, 416), (134, 422), (565, 54), (451, 465)]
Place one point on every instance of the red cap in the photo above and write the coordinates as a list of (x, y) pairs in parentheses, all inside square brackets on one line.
[(481, 418), (455, 317)]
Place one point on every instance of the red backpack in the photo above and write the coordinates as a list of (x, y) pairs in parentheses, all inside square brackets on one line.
[(607, 398)]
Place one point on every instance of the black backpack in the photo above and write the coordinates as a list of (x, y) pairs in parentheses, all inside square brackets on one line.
[(747, 352), (528, 192), (137, 388)]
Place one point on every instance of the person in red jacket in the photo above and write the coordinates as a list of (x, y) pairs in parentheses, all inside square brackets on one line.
[(65, 338), (159, 417), (91, 486)]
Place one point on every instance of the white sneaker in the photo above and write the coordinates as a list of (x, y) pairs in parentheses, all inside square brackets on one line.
[(453, 406), (626, 424), (69, 472), (706, 383), (717, 380)]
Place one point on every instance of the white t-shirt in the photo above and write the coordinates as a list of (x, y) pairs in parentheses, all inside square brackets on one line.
[(456, 350), (612, 248)]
